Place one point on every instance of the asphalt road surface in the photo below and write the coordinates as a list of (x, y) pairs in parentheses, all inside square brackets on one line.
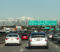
[(24, 48)]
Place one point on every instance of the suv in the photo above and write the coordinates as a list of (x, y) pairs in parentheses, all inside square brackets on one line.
[(38, 39)]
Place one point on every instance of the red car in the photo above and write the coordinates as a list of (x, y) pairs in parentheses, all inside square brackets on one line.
[(24, 36)]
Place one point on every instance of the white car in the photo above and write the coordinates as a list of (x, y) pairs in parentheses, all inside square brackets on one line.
[(50, 36), (38, 39), (13, 38)]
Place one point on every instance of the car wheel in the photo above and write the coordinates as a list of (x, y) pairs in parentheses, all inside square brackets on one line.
[(46, 47), (29, 47), (5, 44), (18, 44)]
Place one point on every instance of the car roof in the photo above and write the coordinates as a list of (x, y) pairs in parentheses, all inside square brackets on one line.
[(38, 32), (58, 33)]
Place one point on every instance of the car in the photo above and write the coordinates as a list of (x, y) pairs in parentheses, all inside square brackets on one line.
[(38, 39), (19, 32), (12, 38), (24, 36), (50, 35), (56, 37)]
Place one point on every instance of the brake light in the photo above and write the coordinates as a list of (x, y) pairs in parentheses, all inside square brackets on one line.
[(17, 38), (6, 38)]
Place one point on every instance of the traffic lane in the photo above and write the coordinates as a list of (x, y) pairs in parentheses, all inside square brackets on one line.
[(24, 48), (10, 48), (54, 42), (52, 48)]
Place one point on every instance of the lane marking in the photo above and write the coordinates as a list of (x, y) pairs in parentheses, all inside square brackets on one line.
[(57, 46), (21, 50), (54, 45), (2, 45), (51, 43)]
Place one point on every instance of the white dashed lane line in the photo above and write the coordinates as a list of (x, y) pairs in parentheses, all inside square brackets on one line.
[(2, 45), (54, 45), (57, 46), (21, 50)]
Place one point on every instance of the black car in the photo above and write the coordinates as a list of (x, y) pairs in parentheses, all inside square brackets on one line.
[(56, 37)]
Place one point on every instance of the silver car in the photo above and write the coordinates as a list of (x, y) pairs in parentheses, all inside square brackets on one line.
[(12, 38)]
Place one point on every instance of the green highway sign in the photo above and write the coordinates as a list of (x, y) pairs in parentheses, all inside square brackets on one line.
[(47, 28), (57, 28), (42, 22), (52, 28)]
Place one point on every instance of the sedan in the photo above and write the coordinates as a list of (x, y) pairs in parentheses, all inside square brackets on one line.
[(13, 38)]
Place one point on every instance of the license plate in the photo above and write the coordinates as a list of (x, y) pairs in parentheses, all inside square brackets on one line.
[(11, 39)]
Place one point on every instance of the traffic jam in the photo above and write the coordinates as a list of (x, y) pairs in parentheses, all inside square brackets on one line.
[(35, 39)]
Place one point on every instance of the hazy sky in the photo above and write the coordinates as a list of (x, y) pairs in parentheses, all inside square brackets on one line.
[(30, 8)]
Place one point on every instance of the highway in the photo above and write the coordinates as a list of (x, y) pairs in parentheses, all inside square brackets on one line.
[(24, 48)]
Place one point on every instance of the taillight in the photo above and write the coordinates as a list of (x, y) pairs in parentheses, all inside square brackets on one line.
[(6, 38), (17, 38)]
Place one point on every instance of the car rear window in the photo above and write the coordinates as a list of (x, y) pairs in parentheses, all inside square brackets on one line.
[(38, 35), (12, 35), (24, 35)]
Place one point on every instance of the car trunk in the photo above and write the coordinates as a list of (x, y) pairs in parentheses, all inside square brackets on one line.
[(40, 38)]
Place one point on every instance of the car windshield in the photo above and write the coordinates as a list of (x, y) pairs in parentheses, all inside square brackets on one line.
[(12, 35)]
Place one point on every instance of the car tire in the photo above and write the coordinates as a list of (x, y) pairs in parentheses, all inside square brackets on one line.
[(29, 46), (5, 44), (46, 47), (18, 44)]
